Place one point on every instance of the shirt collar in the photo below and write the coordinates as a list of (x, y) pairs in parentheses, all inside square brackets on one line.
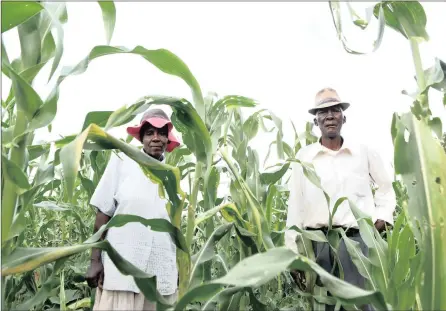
[(347, 146)]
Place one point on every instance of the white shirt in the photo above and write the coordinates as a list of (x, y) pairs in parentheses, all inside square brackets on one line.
[(124, 189), (347, 172)]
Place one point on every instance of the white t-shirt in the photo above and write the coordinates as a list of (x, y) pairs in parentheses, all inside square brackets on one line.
[(124, 189)]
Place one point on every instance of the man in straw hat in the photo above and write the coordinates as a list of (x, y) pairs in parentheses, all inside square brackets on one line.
[(346, 170), (124, 189)]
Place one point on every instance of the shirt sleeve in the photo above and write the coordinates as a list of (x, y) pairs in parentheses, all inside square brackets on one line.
[(295, 207), (103, 197), (385, 199)]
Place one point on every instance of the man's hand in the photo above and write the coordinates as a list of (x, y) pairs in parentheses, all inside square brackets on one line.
[(95, 274), (299, 278), (380, 225)]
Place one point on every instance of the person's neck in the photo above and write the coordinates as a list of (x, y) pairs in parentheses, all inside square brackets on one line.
[(332, 143), (160, 158)]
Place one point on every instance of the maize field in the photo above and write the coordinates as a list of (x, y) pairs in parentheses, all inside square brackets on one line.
[(230, 248)]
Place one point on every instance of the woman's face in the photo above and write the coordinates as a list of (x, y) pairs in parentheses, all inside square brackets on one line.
[(155, 140)]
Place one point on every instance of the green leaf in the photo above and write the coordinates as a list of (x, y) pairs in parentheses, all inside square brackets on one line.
[(45, 291), (223, 299), (26, 97), (247, 237), (26, 259), (30, 47), (208, 251), (18, 224), (232, 101), (45, 114), (96, 117), (257, 216), (163, 59), (194, 132), (425, 177), (436, 76), (4, 53), (269, 178), (279, 138), (270, 200), (211, 212), (406, 251), (361, 262), (251, 126), (48, 48), (313, 235), (29, 74), (62, 296), (335, 209), (80, 304), (15, 175), (378, 250), (109, 16), (436, 126), (16, 12), (198, 293), (336, 12), (158, 225), (65, 140), (7, 135), (271, 263), (88, 185), (177, 155), (212, 181), (56, 12), (36, 151), (407, 18), (45, 173), (124, 115)]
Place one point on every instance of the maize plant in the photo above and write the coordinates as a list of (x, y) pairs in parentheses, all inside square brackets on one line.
[(230, 247), (414, 269)]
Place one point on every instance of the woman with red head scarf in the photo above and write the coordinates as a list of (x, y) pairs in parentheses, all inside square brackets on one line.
[(124, 189)]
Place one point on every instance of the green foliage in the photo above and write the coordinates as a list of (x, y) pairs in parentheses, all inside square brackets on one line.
[(229, 225)]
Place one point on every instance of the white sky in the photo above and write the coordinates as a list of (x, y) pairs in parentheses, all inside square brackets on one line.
[(278, 53)]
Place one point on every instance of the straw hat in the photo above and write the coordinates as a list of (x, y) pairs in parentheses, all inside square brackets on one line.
[(326, 98)]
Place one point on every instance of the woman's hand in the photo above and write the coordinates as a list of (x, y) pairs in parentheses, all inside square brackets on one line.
[(95, 274)]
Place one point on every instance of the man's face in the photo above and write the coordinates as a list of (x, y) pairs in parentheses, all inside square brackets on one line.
[(155, 140), (330, 121)]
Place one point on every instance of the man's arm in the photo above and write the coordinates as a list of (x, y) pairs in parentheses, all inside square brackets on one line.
[(385, 199), (295, 205)]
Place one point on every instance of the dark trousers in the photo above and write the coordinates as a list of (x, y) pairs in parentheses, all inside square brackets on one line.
[(325, 258)]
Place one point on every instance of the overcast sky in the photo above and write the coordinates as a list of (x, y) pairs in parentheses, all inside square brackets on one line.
[(278, 53)]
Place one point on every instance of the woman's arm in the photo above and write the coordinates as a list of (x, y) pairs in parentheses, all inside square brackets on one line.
[(101, 219), (95, 273)]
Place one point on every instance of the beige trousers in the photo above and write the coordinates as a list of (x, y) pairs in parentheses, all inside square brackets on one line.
[(122, 300)]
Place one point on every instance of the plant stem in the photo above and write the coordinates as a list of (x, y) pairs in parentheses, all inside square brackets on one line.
[(421, 79), (416, 56), (9, 195), (193, 205)]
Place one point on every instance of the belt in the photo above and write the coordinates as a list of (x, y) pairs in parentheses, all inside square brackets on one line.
[(348, 231)]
